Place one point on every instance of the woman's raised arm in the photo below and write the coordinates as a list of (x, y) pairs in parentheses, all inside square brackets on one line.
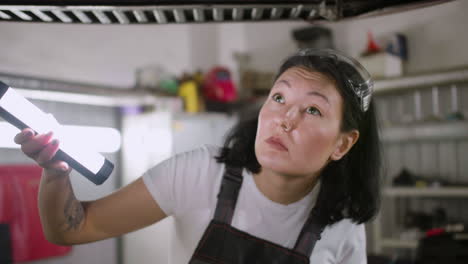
[(67, 221)]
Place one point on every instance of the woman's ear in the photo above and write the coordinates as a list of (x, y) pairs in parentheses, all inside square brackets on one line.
[(345, 141)]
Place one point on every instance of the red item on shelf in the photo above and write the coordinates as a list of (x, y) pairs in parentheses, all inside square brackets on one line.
[(372, 46), (19, 186), (435, 232), (218, 85)]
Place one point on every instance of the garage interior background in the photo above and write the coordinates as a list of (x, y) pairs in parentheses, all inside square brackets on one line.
[(108, 56)]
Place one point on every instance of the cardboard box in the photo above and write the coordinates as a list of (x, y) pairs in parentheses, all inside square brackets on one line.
[(382, 65)]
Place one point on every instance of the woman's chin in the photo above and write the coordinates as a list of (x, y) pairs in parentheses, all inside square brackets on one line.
[(275, 163), (272, 159)]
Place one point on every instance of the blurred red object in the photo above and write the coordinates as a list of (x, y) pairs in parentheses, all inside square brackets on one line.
[(435, 232), (218, 85), (19, 186), (372, 46)]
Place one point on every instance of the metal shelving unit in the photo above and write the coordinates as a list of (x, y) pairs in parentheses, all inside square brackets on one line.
[(426, 131), (398, 243), (420, 135), (426, 192), (411, 192), (421, 80), (79, 93)]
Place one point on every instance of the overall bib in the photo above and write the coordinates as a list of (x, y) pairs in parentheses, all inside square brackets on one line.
[(222, 243)]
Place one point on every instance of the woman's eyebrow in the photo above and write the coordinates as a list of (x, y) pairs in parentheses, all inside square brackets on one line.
[(319, 95), (284, 82), (315, 93)]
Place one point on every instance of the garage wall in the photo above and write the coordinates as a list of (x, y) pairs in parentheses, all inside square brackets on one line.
[(110, 54), (269, 48), (98, 54), (436, 35)]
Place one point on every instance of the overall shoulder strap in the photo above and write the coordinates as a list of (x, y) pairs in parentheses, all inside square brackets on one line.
[(310, 233), (227, 196)]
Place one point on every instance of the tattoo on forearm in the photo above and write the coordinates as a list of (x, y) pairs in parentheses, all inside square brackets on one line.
[(74, 213)]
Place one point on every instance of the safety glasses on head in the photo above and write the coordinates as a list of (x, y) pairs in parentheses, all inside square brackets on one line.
[(355, 75)]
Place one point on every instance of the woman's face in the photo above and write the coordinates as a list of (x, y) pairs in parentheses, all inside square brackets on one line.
[(299, 124)]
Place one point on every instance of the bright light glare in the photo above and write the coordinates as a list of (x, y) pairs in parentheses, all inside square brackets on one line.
[(81, 144), (103, 139), (27, 112)]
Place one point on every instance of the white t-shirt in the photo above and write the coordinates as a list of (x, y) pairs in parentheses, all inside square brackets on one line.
[(186, 185)]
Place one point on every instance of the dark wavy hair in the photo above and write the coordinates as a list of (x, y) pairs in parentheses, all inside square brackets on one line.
[(349, 186)]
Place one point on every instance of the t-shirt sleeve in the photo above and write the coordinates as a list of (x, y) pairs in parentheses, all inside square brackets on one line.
[(353, 248), (173, 181)]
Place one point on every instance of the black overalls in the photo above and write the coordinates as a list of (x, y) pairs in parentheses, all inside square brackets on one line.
[(222, 243)]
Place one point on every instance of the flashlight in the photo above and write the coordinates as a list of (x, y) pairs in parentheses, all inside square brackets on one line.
[(21, 113)]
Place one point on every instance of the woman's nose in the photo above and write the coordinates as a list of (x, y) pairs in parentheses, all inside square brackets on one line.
[(290, 119)]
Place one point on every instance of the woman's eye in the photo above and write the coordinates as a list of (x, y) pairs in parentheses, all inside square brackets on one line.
[(313, 111), (278, 98)]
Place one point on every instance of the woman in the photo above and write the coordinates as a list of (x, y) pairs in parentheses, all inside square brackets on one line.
[(291, 186)]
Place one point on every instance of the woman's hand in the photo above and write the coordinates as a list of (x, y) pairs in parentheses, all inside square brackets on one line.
[(42, 149), (68, 221)]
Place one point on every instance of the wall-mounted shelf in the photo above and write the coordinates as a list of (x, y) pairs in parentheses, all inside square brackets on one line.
[(422, 80), (411, 192), (398, 243), (426, 192), (426, 131), (79, 93)]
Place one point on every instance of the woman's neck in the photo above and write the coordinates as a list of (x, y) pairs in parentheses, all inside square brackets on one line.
[(284, 189)]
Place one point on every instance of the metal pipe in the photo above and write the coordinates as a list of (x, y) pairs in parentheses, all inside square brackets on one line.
[(21, 14), (237, 13), (121, 17), (198, 15), (257, 13), (160, 16), (81, 16), (4, 15), (218, 14), (101, 16), (41, 15), (179, 15), (61, 16), (140, 16)]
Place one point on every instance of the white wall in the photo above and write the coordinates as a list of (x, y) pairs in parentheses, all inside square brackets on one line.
[(270, 43), (437, 35), (231, 39), (99, 54), (204, 46), (110, 54)]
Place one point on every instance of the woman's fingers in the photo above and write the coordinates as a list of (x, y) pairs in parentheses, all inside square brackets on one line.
[(41, 148), (24, 135), (44, 156), (32, 146), (58, 166)]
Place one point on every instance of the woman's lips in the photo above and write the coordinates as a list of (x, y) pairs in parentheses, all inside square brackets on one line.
[(276, 143)]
